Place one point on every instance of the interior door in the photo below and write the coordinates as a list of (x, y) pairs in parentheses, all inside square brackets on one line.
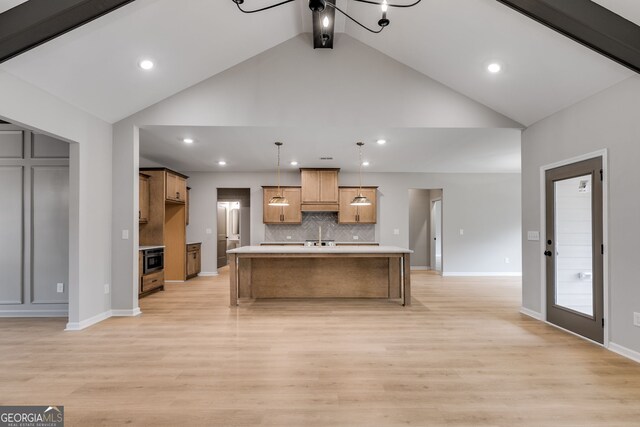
[(574, 248), (436, 231), (222, 236)]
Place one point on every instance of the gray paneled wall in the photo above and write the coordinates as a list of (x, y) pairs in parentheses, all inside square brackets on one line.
[(34, 231)]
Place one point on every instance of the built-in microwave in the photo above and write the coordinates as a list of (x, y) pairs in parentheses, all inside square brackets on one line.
[(153, 260)]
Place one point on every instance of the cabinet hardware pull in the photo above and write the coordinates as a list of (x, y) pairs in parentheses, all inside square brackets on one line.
[(178, 194), (139, 214)]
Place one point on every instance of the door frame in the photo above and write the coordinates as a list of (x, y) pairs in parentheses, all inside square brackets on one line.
[(605, 238), (432, 246)]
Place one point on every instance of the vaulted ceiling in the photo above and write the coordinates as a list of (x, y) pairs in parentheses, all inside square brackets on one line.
[(95, 67)]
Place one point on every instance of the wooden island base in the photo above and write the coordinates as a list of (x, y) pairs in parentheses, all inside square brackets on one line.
[(318, 273)]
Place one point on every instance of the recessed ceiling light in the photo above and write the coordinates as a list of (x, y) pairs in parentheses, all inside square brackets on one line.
[(222, 163), (365, 163), (382, 141), (494, 67), (146, 64), (294, 163), (188, 140)]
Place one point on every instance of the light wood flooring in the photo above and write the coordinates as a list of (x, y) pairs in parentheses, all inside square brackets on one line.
[(462, 355)]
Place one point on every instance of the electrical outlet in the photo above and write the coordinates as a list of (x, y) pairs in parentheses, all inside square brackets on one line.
[(208, 231), (125, 234), (106, 288), (507, 260), (288, 237), (60, 288), (396, 231), (355, 237), (461, 232), (636, 319)]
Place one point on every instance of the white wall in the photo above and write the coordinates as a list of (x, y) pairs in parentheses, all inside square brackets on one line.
[(609, 120), (486, 206), (90, 189)]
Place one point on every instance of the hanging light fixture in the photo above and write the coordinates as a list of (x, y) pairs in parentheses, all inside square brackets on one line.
[(278, 199), (320, 5), (360, 199)]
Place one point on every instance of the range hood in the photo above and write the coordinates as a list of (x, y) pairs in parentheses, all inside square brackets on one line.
[(319, 190)]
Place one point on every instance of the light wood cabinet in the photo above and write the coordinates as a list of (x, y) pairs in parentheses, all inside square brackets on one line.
[(194, 260), (357, 214), (176, 188), (143, 192), (319, 189), (282, 214)]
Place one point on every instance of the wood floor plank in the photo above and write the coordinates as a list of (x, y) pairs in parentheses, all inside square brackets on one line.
[(460, 355)]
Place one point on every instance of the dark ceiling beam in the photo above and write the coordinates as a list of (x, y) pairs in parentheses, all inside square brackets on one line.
[(589, 24), (35, 22), (319, 31)]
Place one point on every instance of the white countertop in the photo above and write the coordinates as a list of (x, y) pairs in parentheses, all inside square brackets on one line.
[(289, 242), (144, 248), (354, 249)]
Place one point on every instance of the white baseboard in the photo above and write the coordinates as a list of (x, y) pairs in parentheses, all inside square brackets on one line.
[(531, 313), (420, 267), (482, 274), (78, 326), (208, 273), (34, 313), (626, 352), (126, 313)]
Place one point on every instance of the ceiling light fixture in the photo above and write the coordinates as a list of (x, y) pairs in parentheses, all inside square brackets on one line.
[(365, 163), (320, 6), (494, 68), (294, 163), (360, 200), (278, 199), (188, 140), (222, 163), (146, 64), (381, 141)]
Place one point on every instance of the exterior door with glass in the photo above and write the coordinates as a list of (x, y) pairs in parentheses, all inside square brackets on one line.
[(574, 248)]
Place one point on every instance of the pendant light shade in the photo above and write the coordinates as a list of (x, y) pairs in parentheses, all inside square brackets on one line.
[(278, 199), (360, 199)]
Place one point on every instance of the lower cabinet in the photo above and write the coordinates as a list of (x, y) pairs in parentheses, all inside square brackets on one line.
[(148, 283), (193, 260)]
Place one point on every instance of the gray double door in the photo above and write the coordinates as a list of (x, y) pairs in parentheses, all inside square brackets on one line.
[(575, 248)]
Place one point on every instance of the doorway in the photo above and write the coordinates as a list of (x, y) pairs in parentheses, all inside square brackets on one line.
[(574, 248), (233, 219), (425, 224), (436, 218)]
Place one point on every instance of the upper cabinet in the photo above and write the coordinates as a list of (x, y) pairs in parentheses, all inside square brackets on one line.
[(349, 214), (176, 187), (143, 212), (282, 214), (319, 189)]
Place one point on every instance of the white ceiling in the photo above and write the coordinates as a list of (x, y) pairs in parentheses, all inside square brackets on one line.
[(8, 4), (251, 149), (95, 67), (628, 9)]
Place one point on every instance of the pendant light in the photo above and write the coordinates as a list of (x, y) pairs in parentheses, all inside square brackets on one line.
[(360, 199), (278, 199)]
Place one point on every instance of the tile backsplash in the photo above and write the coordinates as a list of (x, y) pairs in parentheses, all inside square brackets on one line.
[(331, 230)]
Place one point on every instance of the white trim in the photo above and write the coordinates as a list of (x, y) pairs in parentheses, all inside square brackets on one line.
[(531, 313), (483, 274), (605, 232), (420, 267), (78, 326), (126, 313), (208, 273), (34, 313), (624, 351)]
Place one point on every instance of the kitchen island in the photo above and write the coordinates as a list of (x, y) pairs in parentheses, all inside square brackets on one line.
[(258, 272)]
